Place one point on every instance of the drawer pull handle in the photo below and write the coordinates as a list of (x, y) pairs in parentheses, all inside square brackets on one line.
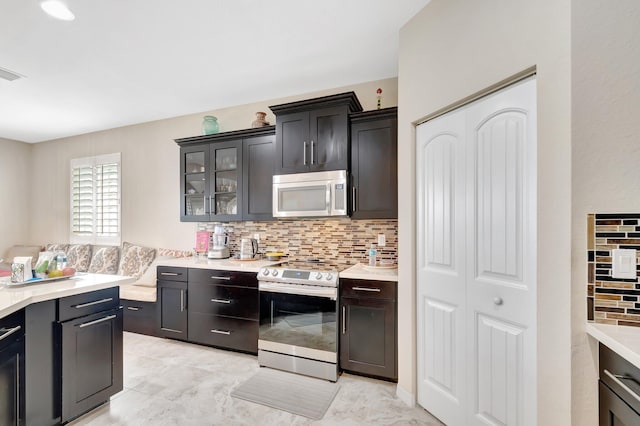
[(95, 302), (616, 378), (171, 330), (221, 301), (107, 318), (170, 274), (373, 290), (220, 278), (132, 308), (10, 332), (226, 333)]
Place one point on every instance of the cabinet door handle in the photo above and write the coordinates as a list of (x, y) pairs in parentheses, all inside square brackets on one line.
[(213, 277), (373, 290), (221, 301), (304, 153), (87, 324), (204, 204), (312, 156), (344, 319), (182, 307), (353, 198), (226, 333), (616, 378), (10, 332), (132, 308), (95, 302), (170, 274)]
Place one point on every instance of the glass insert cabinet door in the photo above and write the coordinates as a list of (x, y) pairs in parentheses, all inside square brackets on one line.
[(195, 182), (226, 178)]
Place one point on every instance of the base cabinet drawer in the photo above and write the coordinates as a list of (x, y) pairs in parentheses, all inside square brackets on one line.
[(230, 333), (228, 301), (140, 317)]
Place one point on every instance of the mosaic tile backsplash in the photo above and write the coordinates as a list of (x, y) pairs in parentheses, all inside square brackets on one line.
[(342, 241), (612, 300)]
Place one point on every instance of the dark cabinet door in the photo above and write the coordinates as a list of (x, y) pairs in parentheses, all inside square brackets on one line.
[(368, 337), (226, 180), (172, 309), (11, 379), (258, 161), (91, 361), (195, 194), (374, 165), (139, 317), (328, 139), (292, 143), (613, 410)]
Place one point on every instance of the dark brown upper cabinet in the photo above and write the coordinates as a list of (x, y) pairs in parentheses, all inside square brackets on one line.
[(227, 176), (374, 164), (313, 135)]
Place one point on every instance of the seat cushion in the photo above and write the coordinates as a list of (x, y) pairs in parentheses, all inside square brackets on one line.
[(136, 292), (23, 250), (134, 260), (105, 260)]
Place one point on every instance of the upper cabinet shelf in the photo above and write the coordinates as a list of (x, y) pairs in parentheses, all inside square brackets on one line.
[(313, 135)]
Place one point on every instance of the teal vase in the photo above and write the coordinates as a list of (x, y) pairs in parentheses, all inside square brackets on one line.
[(210, 125)]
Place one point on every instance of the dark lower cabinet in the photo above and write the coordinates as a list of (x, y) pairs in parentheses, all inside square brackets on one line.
[(224, 309), (368, 342), (618, 390), (12, 370), (91, 361), (172, 309), (140, 317)]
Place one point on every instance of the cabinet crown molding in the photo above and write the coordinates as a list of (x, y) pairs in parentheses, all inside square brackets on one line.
[(348, 98)]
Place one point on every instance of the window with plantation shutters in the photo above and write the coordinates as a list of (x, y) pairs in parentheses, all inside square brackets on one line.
[(95, 199)]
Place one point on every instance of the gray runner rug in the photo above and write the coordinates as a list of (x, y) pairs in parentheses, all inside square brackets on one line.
[(301, 395)]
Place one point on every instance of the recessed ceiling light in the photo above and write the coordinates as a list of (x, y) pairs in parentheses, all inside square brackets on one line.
[(58, 10)]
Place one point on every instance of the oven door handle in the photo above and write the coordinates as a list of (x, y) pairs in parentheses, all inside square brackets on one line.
[(301, 290)]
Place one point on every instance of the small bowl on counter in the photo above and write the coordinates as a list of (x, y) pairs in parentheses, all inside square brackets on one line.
[(274, 255)]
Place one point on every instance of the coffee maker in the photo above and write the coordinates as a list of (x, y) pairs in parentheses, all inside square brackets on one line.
[(218, 248)]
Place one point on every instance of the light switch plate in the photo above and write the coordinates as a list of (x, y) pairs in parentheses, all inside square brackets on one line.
[(624, 263), (382, 240)]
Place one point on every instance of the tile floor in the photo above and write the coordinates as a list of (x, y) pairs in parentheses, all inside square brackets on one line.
[(168, 382)]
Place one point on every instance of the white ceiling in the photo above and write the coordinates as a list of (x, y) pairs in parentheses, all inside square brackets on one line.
[(129, 61)]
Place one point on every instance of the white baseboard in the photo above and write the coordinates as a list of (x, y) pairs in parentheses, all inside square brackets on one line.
[(406, 397)]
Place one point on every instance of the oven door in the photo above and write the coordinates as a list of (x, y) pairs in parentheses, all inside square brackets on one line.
[(298, 320)]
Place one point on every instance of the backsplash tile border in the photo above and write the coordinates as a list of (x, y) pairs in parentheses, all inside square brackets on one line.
[(612, 300), (342, 241)]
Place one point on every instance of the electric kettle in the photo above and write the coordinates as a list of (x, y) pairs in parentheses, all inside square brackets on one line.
[(248, 248)]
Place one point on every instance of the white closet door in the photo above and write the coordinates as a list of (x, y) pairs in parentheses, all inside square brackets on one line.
[(501, 257), (441, 266), (476, 260)]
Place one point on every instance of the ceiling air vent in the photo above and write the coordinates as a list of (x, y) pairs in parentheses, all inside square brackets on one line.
[(9, 75)]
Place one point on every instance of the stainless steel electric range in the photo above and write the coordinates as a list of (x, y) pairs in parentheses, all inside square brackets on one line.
[(298, 318)]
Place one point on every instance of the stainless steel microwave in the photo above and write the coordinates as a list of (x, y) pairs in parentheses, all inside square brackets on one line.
[(315, 194)]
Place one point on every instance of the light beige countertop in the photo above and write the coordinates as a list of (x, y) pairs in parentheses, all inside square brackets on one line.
[(14, 298), (364, 272), (623, 340), (220, 264)]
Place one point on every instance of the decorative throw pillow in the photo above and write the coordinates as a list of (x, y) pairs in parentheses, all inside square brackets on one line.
[(79, 257), (105, 260), (135, 260), (174, 253), (58, 247)]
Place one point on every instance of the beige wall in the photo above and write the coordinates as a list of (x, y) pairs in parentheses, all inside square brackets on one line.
[(605, 82), (150, 169), (15, 192), (453, 49)]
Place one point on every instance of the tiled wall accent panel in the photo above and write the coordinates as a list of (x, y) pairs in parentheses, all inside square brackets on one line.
[(612, 300), (342, 241)]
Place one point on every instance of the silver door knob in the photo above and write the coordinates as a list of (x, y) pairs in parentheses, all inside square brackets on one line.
[(498, 301)]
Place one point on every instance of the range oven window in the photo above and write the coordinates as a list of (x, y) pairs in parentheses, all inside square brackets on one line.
[(297, 320)]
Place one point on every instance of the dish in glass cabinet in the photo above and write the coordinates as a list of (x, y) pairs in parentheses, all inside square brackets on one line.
[(232, 206)]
